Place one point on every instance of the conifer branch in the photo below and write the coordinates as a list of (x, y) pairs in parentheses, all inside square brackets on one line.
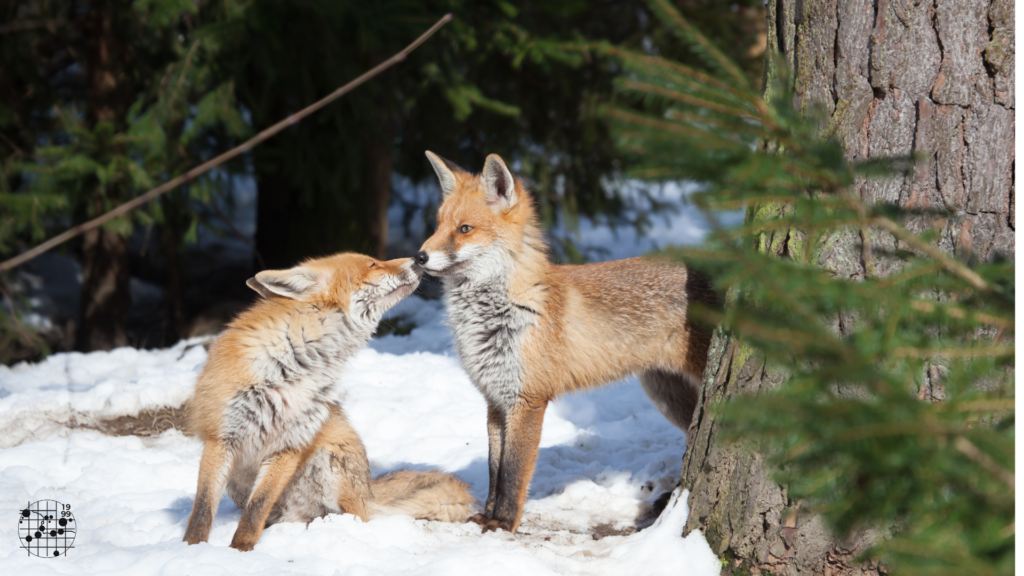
[(688, 33), (967, 448)]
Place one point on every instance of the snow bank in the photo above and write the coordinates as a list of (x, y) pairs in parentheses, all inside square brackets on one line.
[(605, 456)]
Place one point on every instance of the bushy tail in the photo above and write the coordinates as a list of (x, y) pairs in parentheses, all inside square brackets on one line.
[(429, 495)]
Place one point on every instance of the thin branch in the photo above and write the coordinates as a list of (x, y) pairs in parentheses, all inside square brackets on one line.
[(241, 149), (908, 352), (950, 264), (984, 460), (181, 77), (960, 313), (686, 99), (684, 26)]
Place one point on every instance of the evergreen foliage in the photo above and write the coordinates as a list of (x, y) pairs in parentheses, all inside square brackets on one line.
[(86, 129), (897, 411)]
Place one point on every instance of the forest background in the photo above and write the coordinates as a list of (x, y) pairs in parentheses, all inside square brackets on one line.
[(102, 100)]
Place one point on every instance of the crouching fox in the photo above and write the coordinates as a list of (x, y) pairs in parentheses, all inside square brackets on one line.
[(527, 330), (265, 406)]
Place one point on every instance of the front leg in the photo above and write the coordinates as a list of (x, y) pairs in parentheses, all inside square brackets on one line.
[(495, 431), (518, 458), (272, 480), (213, 472)]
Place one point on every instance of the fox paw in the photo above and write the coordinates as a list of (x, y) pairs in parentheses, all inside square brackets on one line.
[(493, 525), (243, 546), (479, 519)]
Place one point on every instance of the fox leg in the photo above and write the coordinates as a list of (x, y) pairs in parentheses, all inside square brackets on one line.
[(522, 427), (353, 472), (274, 477), (495, 434), (213, 469)]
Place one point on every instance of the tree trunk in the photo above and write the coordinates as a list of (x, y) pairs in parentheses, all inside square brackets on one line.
[(895, 77), (171, 236), (105, 294), (344, 207), (105, 297), (379, 148)]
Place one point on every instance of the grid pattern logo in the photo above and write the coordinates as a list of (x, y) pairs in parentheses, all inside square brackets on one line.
[(47, 528)]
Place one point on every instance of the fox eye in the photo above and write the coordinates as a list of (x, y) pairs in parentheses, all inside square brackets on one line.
[(373, 264), (465, 228)]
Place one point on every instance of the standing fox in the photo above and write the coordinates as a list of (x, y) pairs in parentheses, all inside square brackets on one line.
[(266, 410), (528, 331)]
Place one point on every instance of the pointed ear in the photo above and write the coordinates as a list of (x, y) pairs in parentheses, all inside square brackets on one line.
[(260, 288), (499, 186), (297, 283), (446, 171)]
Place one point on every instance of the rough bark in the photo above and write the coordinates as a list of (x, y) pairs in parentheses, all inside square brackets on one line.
[(893, 77), (105, 294)]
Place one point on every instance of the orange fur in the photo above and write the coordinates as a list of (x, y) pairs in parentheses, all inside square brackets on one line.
[(585, 326), (274, 433)]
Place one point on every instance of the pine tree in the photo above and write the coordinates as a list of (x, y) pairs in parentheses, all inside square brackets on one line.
[(123, 98), (830, 383)]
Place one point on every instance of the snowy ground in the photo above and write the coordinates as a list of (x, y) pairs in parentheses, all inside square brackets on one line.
[(605, 456)]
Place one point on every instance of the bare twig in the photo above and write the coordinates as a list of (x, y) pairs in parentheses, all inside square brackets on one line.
[(241, 149)]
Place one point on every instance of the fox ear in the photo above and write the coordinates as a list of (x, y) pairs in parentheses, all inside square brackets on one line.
[(260, 288), (499, 186), (446, 171), (297, 283)]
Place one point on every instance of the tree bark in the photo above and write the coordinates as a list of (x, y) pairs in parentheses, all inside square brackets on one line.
[(105, 294), (895, 77), (379, 149)]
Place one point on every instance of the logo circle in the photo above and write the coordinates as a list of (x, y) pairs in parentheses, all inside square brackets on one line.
[(47, 528)]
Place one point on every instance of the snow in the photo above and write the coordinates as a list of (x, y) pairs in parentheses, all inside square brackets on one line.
[(605, 456)]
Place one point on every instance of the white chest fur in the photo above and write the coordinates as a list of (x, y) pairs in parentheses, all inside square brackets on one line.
[(489, 331), (298, 362)]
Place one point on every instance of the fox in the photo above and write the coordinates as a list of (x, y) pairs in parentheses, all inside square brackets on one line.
[(265, 406), (527, 330)]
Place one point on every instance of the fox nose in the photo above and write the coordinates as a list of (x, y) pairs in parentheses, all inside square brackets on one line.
[(422, 257)]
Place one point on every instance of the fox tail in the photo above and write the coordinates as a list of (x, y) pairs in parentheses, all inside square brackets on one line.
[(431, 495)]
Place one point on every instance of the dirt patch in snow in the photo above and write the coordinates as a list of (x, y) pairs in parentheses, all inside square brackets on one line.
[(145, 423)]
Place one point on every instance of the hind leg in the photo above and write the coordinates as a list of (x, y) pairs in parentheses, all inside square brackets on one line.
[(674, 394), (312, 493), (349, 467), (334, 478)]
